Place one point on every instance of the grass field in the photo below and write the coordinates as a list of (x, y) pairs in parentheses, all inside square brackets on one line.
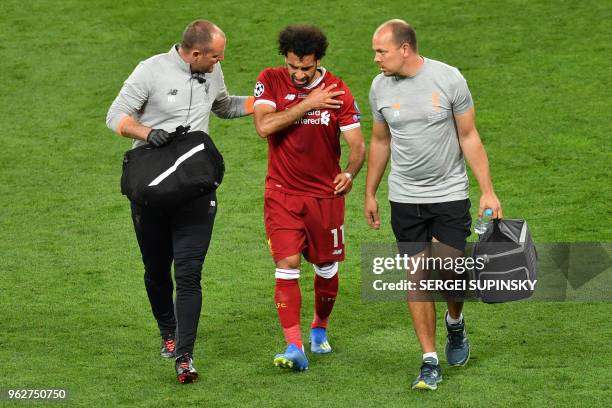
[(74, 309)]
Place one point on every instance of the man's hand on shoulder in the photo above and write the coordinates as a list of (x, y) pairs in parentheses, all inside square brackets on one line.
[(323, 98)]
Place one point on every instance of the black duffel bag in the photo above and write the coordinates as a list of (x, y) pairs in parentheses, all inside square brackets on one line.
[(509, 256), (187, 167)]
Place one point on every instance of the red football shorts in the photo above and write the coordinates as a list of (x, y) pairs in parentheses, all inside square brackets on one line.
[(299, 224)]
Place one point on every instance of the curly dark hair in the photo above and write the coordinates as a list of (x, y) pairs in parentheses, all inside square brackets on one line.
[(302, 40)]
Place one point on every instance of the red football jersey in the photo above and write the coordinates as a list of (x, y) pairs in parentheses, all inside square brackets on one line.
[(304, 158)]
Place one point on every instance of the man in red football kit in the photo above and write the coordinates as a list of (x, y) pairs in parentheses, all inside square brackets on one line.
[(301, 109)]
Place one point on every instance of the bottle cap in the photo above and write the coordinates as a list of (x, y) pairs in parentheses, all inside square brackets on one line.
[(488, 212)]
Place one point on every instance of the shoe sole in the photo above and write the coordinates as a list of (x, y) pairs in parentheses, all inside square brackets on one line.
[(187, 378), (319, 350), (422, 385), (282, 362), (167, 355)]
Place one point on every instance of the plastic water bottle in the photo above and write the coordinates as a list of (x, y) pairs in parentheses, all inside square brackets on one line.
[(482, 223)]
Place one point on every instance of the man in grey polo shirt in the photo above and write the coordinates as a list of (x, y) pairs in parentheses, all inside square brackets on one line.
[(424, 121), (178, 88)]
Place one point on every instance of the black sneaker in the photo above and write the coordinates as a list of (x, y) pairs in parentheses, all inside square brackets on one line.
[(168, 346), (430, 376), (457, 346), (185, 372)]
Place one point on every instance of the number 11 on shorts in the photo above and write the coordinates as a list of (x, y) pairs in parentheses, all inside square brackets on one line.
[(334, 232)]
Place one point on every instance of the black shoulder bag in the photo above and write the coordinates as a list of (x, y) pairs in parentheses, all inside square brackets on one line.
[(186, 168)]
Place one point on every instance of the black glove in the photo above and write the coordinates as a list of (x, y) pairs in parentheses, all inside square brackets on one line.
[(159, 137)]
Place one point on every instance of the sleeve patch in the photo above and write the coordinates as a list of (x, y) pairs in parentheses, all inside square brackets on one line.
[(259, 89)]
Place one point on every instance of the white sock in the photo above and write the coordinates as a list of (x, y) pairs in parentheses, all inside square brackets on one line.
[(433, 355), (450, 320)]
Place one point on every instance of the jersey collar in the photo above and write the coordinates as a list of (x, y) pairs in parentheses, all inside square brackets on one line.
[(315, 83), (176, 58)]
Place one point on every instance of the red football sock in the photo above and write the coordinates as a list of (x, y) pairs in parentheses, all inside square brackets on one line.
[(288, 300), (325, 297)]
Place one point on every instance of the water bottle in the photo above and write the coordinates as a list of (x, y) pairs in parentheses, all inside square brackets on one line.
[(482, 223)]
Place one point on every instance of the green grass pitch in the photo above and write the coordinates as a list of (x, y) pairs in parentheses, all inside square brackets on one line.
[(74, 309)]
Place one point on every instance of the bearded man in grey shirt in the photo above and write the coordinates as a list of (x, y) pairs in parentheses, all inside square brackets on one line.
[(424, 121), (178, 88)]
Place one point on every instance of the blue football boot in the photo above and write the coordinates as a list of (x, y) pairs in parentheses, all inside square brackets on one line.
[(293, 358), (318, 341)]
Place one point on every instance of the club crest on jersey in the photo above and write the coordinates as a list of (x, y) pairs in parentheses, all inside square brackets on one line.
[(315, 117), (325, 118), (259, 89), (396, 109)]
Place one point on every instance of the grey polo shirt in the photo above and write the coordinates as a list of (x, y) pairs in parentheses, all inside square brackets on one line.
[(427, 164), (161, 93)]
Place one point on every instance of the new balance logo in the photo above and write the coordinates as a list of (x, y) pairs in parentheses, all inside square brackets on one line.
[(172, 95), (337, 252), (290, 97)]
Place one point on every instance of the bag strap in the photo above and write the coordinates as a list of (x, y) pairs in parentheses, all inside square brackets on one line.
[(181, 130)]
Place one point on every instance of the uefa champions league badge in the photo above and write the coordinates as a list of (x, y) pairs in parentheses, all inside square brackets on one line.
[(259, 89)]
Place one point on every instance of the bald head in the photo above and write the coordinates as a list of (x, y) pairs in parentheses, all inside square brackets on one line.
[(199, 34), (400, 32)]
